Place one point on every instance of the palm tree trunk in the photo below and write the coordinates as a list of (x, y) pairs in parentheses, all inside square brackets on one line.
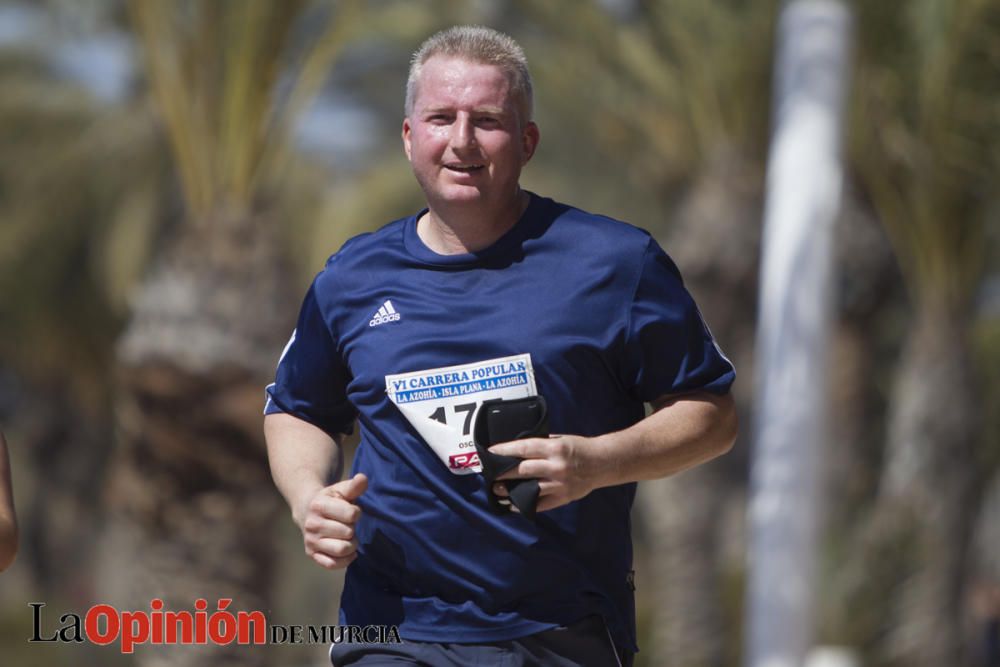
[(715, 243), (931, 489), (192, 507), (869, 296), (689, 622)]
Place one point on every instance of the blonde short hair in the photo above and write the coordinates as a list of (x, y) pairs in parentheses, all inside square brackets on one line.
[(480, 45)]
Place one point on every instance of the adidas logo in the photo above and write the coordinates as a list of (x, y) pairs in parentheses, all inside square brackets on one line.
[(385, 314)]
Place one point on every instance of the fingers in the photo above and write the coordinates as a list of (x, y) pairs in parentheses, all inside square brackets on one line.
[(349, 489), (331, 544), (336, 501), (530, 448), (564, 459), (331, 552), (321, 527), (559, 463), (545, 488), (334, 508), (329, 563), (328, 529), (536, 468)]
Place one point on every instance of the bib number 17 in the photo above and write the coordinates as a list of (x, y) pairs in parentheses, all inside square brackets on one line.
[(469, 409)]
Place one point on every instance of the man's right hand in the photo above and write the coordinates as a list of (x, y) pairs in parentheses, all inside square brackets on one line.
[(328, 523)]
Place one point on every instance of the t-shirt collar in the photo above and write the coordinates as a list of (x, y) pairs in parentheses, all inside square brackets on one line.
[(510, 239)]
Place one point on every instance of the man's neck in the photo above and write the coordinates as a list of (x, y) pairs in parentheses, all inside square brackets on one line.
[(462, 229)]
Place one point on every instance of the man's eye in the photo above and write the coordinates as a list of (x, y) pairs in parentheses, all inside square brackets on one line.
[(439, 118)]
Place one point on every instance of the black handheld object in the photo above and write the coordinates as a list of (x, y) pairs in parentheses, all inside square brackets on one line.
[(500, 420)]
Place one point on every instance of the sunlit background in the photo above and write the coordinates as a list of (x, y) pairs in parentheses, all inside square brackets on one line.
[(172, 174)]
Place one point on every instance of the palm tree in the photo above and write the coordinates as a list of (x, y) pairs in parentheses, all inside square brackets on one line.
[(192, 506), (76, 230), (925, 133)]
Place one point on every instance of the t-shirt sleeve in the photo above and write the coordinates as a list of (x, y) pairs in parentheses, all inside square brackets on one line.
[(311, 380), (669, 348)]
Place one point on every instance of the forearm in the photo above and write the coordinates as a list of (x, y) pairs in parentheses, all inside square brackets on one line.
[(303, 460), (8, 541), (683, 432), (8, 518)]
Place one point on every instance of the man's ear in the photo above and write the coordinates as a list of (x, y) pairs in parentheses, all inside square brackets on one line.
[(530, 136), (406, 137)]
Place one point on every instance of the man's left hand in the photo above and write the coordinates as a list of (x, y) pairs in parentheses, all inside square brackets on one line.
[(566, 467)]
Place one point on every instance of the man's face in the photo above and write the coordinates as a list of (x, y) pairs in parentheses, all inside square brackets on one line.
[(464, 137)]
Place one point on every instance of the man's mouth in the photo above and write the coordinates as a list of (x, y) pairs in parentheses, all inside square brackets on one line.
[(464, 168)]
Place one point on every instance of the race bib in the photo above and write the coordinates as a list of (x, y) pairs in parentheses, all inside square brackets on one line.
[(440, 403)]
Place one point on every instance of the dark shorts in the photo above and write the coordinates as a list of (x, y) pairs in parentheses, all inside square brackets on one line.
[(584, 643)]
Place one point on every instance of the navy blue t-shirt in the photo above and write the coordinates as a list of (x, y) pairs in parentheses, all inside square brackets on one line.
[(585, 310)]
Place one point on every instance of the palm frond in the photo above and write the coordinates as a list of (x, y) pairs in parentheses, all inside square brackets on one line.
[(924, 136)]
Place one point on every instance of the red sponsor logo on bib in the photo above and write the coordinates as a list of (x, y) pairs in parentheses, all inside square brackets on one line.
[(465, 460)]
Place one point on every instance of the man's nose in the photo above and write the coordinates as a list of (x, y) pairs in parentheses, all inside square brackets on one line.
[(463, 133)]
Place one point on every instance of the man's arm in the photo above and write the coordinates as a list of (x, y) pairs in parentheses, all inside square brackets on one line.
[(8, 519), (682, 432), (304, 459)]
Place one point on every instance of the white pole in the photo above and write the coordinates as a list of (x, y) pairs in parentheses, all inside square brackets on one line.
[(803, 196)]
